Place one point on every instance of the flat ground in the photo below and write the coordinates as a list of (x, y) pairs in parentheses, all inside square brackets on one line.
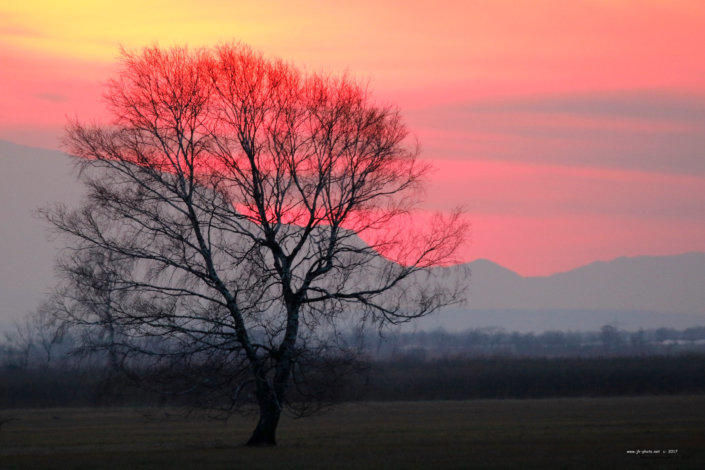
[(550, 433)]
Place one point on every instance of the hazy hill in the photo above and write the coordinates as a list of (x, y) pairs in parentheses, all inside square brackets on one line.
[(644, 291), (669, 284), (648, 291), (29, 178)]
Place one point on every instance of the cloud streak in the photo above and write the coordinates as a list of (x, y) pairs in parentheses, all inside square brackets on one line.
[(640, 130)]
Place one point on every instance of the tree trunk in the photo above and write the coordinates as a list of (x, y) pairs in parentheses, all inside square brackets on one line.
[(270, 396), (269, 413)]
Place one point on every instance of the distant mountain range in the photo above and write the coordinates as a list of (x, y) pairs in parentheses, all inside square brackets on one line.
[(645, 291), (631, 293), (668, 284)]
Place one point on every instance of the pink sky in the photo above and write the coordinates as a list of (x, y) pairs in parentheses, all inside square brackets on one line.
[(571, 131)]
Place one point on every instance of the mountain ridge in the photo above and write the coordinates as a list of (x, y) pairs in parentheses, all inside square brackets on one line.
[(496, 265)]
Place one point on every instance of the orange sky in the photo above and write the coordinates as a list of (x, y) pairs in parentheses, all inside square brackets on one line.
[(570, 130)]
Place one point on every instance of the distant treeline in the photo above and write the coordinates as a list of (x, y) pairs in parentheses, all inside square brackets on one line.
[(32, 344), (608, 341), (40, 369)]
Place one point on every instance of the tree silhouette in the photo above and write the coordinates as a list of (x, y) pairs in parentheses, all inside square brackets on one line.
[(233, 191)]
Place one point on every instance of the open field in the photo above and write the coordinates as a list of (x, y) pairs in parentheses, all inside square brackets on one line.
[(553, 433)]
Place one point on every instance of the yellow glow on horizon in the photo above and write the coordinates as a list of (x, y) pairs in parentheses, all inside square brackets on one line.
[(461, 38), (93, 30)]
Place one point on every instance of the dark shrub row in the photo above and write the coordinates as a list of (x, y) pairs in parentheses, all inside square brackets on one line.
[(400, 379), (511, 377)]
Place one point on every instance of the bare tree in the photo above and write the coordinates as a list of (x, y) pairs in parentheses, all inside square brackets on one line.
[(89, 297), (34, 339), (237, 189)]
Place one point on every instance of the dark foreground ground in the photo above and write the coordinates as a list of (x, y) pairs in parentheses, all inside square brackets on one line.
[(547, 433)]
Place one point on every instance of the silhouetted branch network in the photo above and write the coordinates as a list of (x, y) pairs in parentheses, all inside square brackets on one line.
[(224, 222)]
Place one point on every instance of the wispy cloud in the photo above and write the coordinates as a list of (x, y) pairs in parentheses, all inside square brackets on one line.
[(11, 26), (53, 97), (654, 105), (645, 130)]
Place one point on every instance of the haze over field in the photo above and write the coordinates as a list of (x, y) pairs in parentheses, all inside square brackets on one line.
[(647, 291)]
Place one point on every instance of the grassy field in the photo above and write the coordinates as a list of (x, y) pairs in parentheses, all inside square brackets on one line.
[(551, 433)]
